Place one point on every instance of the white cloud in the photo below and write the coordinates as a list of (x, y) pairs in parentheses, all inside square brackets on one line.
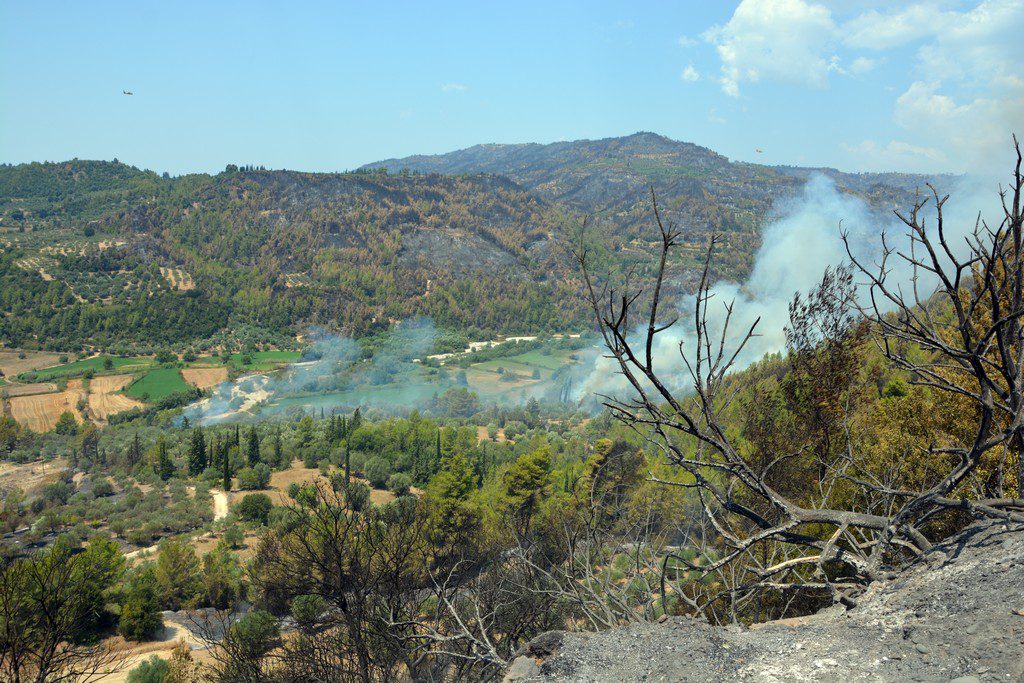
[(686, 41), (799, 41), (690, 75), (969, 97), (882, 31), (894, 156), (964, 93), (774, 40), (862, 65), (981, 43), (974, 131), (454, 87)]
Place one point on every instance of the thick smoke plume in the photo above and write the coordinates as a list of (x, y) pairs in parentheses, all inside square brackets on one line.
[(801, 241)]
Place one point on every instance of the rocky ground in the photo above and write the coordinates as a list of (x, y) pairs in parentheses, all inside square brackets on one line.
[(955, 615)]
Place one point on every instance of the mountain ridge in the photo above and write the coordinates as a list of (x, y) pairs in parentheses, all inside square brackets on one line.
[(478, 238), (702, 190)]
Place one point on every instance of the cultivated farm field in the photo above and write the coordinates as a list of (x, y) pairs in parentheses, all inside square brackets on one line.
[(34, 393), (11, 365), (204, 378), (104, 399), (157, 384), (40, 412), (264, 360), (95, 364), (26, 389)]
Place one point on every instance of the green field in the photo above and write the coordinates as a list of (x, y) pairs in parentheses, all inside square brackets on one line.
[(157, 384), (95, 364), (264, 360), (526, 363)]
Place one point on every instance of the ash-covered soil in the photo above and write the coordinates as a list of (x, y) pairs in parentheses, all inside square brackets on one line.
[(955, 615)]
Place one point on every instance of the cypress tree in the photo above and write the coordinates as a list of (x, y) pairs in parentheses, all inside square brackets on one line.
[(226, 470), (197, 453), (417, 466), (348, 470), (277, 447), (253, 448), (135, 452), (164, 464)]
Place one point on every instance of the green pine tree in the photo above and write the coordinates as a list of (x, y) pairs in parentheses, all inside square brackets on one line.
[(455, 516), (524, 485)]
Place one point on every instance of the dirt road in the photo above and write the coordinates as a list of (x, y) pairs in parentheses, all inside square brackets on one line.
[(220, 504)]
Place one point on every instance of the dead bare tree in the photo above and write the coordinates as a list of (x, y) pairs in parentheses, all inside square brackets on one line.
[(473, 622), (977, 356)]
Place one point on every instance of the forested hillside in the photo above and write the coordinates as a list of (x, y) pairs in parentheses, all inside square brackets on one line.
[(101, 255), (704, 191), (273, 252)]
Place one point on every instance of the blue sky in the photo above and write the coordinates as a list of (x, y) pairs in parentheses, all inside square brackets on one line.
[(853, 84)]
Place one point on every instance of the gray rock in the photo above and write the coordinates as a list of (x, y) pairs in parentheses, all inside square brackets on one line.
[(523, 668), (883, 638)]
